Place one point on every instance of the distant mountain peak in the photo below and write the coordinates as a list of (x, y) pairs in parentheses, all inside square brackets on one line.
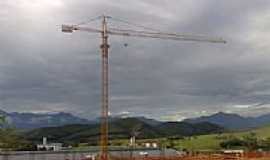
[(226, 113), (28, 120), (232, 120), (3, 112)]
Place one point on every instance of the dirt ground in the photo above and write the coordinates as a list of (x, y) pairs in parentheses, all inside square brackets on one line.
[(255, 159)]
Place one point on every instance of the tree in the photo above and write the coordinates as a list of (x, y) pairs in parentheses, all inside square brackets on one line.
[(2, 121), (265, 143), (251, 141), (232, 143)]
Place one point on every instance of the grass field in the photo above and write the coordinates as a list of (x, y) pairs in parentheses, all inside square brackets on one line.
[(212, 142), (199, 143)]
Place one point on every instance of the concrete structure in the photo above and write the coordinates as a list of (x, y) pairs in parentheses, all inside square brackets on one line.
[(49, 146)]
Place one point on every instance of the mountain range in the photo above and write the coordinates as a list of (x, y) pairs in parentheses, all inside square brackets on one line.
[(38, 120), (232, 121)]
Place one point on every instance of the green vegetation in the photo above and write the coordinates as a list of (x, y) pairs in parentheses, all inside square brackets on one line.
[(169, 134), (2, 120), (10, 139), (249, 140), (204, 142), (120, 129)]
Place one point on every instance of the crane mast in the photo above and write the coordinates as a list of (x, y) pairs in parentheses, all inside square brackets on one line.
[(105, 32), (105, 92)]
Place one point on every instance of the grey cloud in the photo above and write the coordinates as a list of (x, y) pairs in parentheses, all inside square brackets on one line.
[(44, 69)]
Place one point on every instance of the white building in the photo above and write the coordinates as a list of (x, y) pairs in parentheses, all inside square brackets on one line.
[(151, 144), (49, 146), (132, 141)]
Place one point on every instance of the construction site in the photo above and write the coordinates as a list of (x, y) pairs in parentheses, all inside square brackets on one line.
[(145, 32), (92, 109), (105, 31), (126, 155)]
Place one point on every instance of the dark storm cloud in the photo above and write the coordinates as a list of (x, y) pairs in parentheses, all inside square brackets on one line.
[(42, 69)]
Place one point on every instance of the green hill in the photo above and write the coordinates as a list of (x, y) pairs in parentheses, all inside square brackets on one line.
[(212, 141), (121, 129)]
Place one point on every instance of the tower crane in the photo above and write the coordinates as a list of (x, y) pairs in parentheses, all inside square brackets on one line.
[(105, 32)]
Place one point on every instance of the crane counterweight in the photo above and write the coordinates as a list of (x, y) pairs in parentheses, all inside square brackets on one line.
[(67, 28)]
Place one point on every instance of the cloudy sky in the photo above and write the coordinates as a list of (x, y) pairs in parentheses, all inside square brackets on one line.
[(44, 70)]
